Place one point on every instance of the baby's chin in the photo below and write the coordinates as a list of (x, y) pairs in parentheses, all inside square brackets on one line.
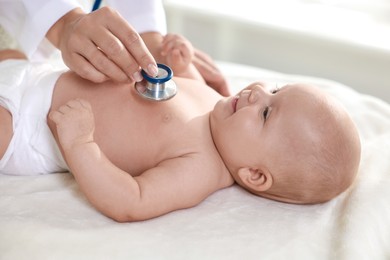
[(220, 111)]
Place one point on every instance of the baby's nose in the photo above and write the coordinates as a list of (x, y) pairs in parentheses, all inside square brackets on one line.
[(257, 93)]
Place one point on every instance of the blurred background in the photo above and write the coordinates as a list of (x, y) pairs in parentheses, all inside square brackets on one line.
[(343, 40)]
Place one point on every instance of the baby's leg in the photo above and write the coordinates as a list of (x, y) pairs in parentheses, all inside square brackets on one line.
[(11, 54), (6, 130)]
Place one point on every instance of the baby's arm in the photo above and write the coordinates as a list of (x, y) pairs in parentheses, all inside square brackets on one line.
[(179, 54), (173, 184)]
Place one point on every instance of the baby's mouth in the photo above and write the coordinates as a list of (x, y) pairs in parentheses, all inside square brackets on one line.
[(234, 103)]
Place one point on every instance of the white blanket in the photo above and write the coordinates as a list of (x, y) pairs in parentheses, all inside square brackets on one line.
[(46, 217)]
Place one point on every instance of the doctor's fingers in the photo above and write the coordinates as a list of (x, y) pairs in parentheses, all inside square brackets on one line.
[(121, 43), (211, 74), (109, 46), (91, 62), (205, 59), (83, 68)]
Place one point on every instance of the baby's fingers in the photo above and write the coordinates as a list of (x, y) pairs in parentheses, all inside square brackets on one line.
[(176, 58), (174, 41), (167, 47), (79, 104), (55, 116), (73, 107), (64, 109)]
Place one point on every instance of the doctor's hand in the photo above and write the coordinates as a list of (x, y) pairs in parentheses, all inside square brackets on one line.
[(210, 73), (101, 45)]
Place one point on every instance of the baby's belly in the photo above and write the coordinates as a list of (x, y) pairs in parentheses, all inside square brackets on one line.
[(135, 147)]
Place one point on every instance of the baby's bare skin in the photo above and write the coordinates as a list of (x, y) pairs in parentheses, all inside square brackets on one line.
[(137, 135)]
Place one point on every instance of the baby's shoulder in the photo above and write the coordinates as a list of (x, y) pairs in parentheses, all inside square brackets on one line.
[(206, 166)]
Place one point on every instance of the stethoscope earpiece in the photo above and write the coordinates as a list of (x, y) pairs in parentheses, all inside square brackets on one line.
[(157, 88)]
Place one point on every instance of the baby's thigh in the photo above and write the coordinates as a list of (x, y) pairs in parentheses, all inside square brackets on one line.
[(6, 130)]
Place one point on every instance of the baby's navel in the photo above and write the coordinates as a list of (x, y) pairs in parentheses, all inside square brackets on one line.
[(166, 118)]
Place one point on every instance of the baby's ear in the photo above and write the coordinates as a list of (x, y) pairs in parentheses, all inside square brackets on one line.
[(255, 179)]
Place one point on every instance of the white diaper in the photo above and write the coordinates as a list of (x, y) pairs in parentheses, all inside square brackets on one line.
[(26, 91)]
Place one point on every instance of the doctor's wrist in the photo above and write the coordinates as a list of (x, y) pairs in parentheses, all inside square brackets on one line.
[(58, 30)]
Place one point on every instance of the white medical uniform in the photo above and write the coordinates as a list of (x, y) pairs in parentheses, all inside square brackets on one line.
[(28, 21)]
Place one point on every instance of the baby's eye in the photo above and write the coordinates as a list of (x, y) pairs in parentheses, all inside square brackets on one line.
[(275, 90), (265, 113)]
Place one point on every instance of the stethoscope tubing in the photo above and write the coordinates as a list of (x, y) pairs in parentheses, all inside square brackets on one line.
[(96, 5)]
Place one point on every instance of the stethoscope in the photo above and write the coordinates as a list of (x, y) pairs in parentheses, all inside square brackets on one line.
[(158, 88), (96, 5)]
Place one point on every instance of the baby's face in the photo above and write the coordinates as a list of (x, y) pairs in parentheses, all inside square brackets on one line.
[(259, 126)]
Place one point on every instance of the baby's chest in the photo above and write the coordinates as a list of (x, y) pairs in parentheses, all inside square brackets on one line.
[(138, 145)]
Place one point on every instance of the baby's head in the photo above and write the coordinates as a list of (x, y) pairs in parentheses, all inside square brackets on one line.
[(296, 144)]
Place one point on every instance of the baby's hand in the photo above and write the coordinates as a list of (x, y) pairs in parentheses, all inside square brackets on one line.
[(178, 51), (75, 123)]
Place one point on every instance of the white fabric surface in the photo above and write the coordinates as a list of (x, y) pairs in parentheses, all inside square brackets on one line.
[(46, 217)]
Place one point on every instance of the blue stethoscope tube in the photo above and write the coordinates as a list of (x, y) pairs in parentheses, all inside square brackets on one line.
[(96, 5)]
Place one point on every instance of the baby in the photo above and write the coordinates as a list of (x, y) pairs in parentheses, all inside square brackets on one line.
[(135, 159)]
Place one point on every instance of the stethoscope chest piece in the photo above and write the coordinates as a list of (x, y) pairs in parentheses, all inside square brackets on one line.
[(158, 88)]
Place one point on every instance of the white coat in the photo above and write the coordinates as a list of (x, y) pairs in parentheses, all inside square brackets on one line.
[(28, 21)]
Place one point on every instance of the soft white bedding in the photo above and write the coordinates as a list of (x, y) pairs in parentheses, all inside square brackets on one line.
[(46, 217)]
